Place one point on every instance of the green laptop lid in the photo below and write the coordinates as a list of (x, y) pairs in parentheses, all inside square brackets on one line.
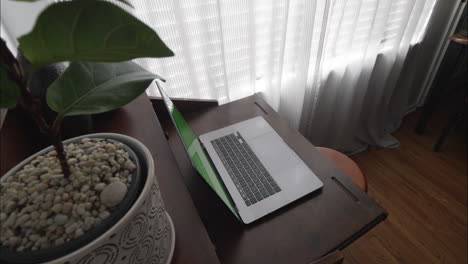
[(196, 153)]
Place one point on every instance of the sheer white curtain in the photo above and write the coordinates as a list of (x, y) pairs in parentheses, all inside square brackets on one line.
[(351, 98), (344, 72), (329, 67)]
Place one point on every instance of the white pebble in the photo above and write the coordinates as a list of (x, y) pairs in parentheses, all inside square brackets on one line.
[(113, 194), (69, 188), (43, 215), (33, 237), (35, 215), (10, 221), (13, 241), (9, 206), (99, 186), (22, 201), (78, 232), (46, 205), (56, 176), (49, 197), (59, 241), (22, 219), (96, 170), (60, 219), (76, 196), (57, 208), (45, 177), (110, 148), (80, 209), (67, 207), (57, 198), (84, 188), (88, 222), (70, 228), (2, 216), (113, 179), (104, 215)]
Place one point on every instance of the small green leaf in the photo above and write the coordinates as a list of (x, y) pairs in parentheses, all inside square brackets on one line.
[(91, 88), (9, 91), (90, 31)]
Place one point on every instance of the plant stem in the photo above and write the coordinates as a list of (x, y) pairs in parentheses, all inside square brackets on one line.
[(57, 142), (53, 132), (33, 105)]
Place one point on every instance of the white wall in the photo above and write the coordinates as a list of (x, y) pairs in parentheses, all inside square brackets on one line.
[(18, 18)]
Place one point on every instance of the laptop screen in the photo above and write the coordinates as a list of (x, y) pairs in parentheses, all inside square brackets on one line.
[(195, 151)]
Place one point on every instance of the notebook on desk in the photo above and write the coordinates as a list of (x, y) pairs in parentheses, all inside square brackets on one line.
[(247, 164)]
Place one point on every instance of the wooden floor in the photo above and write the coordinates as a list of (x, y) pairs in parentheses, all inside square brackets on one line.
[(425, 194)]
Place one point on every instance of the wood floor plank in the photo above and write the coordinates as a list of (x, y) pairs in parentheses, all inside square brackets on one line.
[(425, 194)]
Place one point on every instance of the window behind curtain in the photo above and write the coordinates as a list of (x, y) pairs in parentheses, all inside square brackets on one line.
[(220, 55)]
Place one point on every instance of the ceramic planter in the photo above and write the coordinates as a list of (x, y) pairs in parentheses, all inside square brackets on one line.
[(145, 234)]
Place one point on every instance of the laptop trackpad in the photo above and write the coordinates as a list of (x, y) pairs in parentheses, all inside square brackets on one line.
[(273, 152)]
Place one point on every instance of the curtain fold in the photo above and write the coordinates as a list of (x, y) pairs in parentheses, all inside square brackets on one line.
[(367, 44)]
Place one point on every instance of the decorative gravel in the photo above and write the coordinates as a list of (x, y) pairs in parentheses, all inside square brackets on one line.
[(40, 208)]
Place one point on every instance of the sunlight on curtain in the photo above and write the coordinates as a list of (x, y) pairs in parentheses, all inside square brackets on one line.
[(364, 48), (324, 65)]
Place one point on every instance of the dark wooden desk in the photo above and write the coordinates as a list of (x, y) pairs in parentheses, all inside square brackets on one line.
[(138, 120), (299, 233)]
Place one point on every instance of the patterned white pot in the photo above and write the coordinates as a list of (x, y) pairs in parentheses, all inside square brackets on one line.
[(144, 235)]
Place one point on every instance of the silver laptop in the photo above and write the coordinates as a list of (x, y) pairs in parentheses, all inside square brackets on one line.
[(247, 164)]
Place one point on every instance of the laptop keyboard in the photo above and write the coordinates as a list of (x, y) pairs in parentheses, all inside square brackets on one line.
[(249, 175)]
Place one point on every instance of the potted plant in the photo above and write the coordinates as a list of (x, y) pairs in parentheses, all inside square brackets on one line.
[(94, 198)]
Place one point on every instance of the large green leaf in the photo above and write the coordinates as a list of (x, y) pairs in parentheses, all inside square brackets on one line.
[(85, 30), (9, 91), (90, 88)]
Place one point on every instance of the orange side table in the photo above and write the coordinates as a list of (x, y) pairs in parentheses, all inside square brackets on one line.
[(347, 165)]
